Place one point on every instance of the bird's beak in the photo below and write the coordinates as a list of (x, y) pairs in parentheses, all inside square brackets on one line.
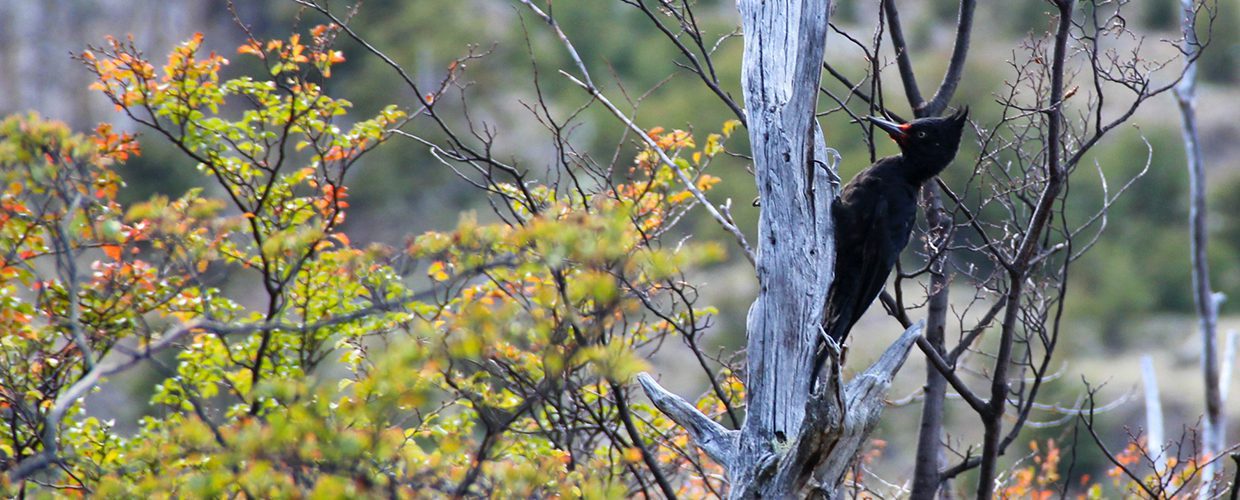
[(895, 130)]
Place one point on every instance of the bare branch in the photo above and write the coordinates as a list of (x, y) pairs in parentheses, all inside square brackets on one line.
[(717, 441), (864, 401), (903, 60), (706, 74), (651, 462), (586, 83), (949, 372), (955, 68)]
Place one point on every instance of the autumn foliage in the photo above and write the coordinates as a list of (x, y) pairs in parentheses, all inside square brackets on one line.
[(488, 358), (493, 358)]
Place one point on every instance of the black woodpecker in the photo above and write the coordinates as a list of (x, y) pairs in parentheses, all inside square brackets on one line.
[(875, 214)]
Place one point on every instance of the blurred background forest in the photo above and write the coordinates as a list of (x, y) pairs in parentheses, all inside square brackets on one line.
[(1130, 296)]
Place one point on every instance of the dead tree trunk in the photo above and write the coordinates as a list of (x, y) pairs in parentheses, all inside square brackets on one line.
[(1155, 439), (1212, 439), (797, 440)]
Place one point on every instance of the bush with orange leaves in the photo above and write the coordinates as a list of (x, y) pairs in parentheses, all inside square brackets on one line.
[(458, 364)]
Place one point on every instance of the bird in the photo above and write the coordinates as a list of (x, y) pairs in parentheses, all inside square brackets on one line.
[(874, 216)]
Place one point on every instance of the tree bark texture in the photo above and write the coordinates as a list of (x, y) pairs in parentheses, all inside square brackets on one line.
[(797, 440), (1212, 438)]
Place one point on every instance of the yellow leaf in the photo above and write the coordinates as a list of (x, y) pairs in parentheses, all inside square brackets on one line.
[(706, 182), (713, 145), (679, 197), (436, 271)]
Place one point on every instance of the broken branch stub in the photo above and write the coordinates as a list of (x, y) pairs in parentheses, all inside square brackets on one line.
[(815, 459)]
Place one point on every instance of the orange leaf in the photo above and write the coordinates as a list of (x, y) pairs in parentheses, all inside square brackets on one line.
[(251, 47), (112, 251), (333, 154)]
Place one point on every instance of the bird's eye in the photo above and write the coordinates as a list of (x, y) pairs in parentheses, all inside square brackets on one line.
[(921, 134)]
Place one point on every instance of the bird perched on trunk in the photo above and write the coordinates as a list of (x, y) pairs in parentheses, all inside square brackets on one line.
[(874, 215)]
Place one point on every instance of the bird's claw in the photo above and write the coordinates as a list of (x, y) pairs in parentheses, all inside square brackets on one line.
[(831, 166), (834, 349)]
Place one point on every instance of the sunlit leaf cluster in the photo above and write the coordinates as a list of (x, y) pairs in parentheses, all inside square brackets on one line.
[(490, 358)]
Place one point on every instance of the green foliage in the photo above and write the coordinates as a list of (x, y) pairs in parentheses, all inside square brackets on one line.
[(1028, 17), (944, 10), (1161, 15), (1152, 216), (342, 380), (1220, 60), (58, 200), (510, 45)]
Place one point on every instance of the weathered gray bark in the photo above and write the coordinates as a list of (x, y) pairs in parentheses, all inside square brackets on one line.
[(1212, 437), (796, 440), (1153, 414), (825, 444)]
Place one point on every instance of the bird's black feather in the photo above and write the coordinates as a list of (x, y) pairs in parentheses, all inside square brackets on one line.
[(874, 216)]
